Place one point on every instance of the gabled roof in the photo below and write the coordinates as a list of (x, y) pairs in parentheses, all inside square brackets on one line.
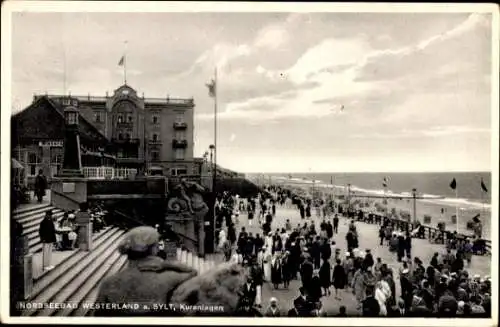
[(86, 129)]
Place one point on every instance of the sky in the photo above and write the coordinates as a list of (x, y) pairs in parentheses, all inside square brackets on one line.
[(297, 92)]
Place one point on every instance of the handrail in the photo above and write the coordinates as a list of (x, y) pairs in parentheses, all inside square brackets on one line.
[(65, 196), (129, 218), (431, 231)]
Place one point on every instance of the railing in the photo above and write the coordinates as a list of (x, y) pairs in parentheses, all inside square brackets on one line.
[(430, 233), (108, 172), (179, 143), (180, 125)]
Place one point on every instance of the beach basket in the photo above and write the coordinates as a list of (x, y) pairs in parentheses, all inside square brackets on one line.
[(427, 219), (454, 219)]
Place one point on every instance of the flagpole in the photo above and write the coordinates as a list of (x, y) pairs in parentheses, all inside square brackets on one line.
[(215, 124), (456, 206), (125, 64), (214, 174)]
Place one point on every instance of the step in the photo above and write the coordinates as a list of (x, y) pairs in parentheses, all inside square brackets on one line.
[(28, 216), (87, 274), (36, 219), (30, 207), (49, 277), (52, 292), (115, 267), (88, 292)]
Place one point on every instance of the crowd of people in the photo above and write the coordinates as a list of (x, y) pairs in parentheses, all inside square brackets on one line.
[(309, 254)]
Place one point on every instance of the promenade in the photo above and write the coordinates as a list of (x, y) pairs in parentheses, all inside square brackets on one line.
[(368, 239)]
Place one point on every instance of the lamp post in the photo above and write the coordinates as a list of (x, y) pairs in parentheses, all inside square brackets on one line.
[(72, 160), (214, 193)]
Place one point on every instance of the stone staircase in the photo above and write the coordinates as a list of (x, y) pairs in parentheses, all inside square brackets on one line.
[(31, 217), (76, 279)]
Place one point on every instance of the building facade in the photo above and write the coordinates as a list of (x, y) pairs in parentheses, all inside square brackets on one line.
[(139, 132)]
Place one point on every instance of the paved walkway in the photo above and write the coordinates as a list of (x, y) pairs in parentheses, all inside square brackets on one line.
[(368, 239), (33, 202)]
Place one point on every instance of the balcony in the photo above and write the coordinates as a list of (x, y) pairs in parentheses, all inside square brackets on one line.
[(157, 141), (179, 144), (180, 125), (125, 141)]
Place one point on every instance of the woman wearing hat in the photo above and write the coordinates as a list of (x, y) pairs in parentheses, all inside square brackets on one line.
[(148, 279)]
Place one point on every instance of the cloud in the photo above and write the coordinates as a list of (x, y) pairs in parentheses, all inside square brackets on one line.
[(283, 77), (433, 131)]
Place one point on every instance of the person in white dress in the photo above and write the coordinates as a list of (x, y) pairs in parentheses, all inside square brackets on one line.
[(267, 263), (222, 239)]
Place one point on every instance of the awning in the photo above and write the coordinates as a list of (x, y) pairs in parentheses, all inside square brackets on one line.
[(16, 164)]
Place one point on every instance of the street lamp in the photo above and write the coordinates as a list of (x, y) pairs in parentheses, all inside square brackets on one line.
[(214, 194)]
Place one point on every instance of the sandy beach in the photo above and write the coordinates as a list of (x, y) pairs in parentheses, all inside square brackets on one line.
[(424, 207)]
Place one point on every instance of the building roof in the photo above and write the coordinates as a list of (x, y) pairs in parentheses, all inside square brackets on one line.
[(99, 102), (26, 124)]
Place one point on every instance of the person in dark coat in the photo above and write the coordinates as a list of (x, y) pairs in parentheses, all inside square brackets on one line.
[(339, 278), (370, 306), (306, 272), (315, 252), (249, 291), (301, 303), (286, 269), (325, 250), (231, 233), (342, 312), (302, 211), (401, 247), (336, 224), (276, 272), (329, 229), (350, 238), (381, 234), (273, 209), (258, 243), (368, 261), (308, 211), (325, 277), (408, 245), (249, 246), (406, 288), (40, 185), (314, 292), (47, 232)]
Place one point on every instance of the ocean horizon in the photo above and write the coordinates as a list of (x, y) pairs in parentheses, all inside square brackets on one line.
[(429, 184), (470, 200)]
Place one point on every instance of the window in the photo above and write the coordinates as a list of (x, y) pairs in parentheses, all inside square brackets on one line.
[(127, 136), (155, 137), (156, 119), (120, 136), (181, 171), (179, 117), (155, 156), (56, 160), (130, 119), (120, 154), (33, 162), (180, 135), (180, 154), (98, 117), (120, 119)]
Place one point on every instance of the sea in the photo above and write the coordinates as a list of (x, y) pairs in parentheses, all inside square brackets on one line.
[(468, 200)]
